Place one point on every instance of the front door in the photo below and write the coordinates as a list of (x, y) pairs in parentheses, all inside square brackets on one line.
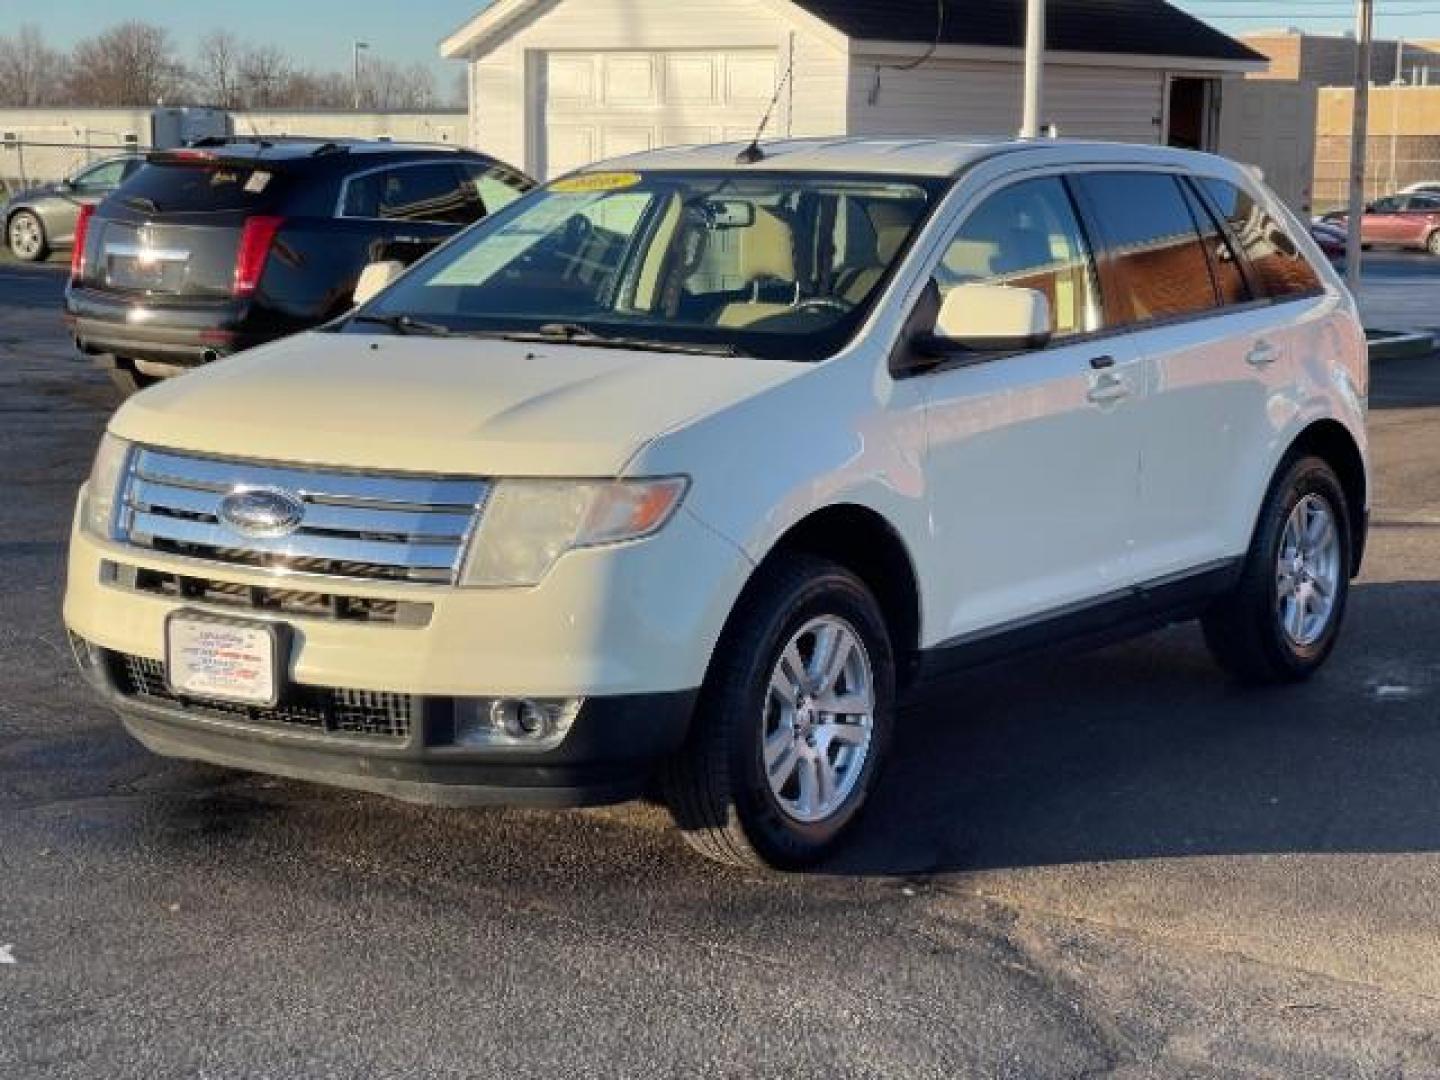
[(1032, 458)]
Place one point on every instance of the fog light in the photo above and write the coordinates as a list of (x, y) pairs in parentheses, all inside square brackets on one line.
[(515, 723)]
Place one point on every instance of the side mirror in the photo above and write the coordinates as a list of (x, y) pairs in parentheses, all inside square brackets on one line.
[(989, 319), (376, 278)]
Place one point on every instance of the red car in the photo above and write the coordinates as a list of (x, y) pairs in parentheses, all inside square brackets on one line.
[(1408, 221)]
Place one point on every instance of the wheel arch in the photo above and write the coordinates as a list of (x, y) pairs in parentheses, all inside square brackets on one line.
[(864, 542), (1332, 442)]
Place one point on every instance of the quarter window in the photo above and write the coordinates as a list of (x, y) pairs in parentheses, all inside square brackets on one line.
[(1159, 266), (1281, 269), (1027, 236)]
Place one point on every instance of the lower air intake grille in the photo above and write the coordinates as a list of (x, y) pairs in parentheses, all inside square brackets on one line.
[(341, 712)]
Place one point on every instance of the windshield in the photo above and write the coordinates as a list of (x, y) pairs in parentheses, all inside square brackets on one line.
[(769, 264)]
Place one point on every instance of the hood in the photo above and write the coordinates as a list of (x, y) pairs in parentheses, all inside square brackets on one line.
[(461, 406)]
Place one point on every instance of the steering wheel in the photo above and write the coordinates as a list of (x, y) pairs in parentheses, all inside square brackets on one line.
[(826, 303)]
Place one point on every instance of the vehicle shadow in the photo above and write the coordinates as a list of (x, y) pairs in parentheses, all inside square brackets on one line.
[(1405, 384), (1148, 751)]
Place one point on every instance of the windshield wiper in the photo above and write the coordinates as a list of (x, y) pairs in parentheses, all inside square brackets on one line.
[(140, 202), (576, 334), (406, 325)]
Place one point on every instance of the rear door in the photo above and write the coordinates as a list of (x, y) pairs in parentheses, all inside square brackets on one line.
[(1159, 285), (1208, 306)]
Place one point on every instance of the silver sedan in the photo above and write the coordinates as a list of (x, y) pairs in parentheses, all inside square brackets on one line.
[(42, 219)]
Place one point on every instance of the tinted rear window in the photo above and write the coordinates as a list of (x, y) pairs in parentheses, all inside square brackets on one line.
[(181, 188), (1158, 259)]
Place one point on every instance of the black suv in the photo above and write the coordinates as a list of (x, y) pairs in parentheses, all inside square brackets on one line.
[(221, 246)]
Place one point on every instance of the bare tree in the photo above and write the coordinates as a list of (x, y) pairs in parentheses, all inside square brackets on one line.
[(129, 64), (386, 85), (31, 73), (265, 72), (217, 71)]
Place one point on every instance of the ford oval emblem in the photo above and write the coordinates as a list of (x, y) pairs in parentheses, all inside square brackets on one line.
[(262, 513)]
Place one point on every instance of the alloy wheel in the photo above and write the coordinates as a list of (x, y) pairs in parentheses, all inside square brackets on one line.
[(1307, 571), (818, 719)]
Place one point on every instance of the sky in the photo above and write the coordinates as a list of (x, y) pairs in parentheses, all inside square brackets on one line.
[(319, 32)]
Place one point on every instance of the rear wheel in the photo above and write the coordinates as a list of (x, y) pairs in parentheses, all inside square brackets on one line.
[(1432, 243), (1281, 622), (26, 236), (794, 722)]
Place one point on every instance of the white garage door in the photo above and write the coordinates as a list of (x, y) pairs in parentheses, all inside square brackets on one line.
[(600, 104)]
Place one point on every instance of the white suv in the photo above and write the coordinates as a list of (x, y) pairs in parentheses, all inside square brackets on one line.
[(693, 467)]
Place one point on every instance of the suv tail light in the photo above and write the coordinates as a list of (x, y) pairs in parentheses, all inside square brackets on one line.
[(82, 233), (255, 243)]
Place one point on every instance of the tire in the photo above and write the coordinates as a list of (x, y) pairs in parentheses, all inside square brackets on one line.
[(1253, 632), (718, 788), (127, 380), (1432, 243), (25, 236)]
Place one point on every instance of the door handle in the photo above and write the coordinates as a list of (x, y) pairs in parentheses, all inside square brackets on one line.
[(1262, 355), (1106, 389)]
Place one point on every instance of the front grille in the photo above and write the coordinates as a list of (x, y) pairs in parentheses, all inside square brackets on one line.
[(344, 712), (356, 525), (292, 602)]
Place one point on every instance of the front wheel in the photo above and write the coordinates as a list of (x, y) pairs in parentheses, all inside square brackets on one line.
[(1432, 243), (794, 722), (1281, 622)]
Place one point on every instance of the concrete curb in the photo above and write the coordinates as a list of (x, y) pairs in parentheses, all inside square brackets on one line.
[(1399, 345)]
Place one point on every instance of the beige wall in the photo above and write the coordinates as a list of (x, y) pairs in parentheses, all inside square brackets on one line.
[(77, 135), (1410, 114)]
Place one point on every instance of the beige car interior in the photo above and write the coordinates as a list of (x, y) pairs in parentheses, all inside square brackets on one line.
[(767, 253)]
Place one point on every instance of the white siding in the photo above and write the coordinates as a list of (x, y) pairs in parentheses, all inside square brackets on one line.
[(983, 98), (507, 106)]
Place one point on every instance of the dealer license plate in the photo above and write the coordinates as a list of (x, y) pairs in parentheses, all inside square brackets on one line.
[(223, 659)]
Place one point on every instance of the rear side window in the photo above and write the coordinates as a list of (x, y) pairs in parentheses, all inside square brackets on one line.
[(1281, 270), (201, 188), (1027, 236), (1159, 266), (435, 193)]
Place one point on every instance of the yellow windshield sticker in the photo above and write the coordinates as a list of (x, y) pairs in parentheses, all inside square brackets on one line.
[(586, 183)]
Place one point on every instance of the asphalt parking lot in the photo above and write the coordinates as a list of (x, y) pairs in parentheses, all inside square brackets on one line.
[(1116, 864)]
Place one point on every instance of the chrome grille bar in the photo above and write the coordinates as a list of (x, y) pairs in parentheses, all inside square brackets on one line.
[(356, 525)]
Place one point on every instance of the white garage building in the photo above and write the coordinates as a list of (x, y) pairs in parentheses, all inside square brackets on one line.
[(558, 83)]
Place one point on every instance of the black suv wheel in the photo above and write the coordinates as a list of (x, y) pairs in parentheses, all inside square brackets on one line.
[(794, 721)]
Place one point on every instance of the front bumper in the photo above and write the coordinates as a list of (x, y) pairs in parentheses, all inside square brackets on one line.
[(608, 756)]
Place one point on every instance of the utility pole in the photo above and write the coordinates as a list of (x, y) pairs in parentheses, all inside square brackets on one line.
[(355, 47), (1359, 134), (1034, 68)]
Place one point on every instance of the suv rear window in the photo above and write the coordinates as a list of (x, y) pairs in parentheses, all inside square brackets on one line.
[(1281, 269), (189, 187)]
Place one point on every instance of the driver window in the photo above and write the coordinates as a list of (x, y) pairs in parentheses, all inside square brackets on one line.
[(1027, 236)]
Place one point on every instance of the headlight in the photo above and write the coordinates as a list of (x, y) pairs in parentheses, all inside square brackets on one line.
[(527, 524), (104, 487)]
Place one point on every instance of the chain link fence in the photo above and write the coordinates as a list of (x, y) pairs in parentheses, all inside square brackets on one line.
[(1391, 165), (26, 162)]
